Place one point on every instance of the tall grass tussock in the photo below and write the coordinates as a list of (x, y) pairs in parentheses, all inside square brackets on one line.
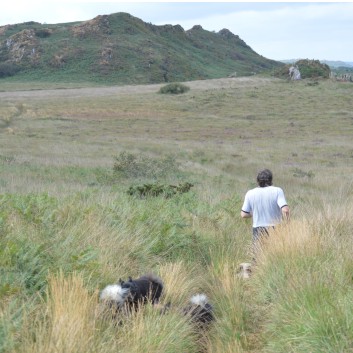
[(69, 226)]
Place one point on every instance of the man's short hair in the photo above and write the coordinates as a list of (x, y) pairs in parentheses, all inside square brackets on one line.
[(264, 178)]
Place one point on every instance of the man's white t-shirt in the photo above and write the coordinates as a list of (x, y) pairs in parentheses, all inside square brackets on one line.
[(265, 203)]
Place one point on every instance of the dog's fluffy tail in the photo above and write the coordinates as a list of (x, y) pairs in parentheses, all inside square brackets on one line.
[(114, 293), (199, 299), (155, 286), (153, 278)]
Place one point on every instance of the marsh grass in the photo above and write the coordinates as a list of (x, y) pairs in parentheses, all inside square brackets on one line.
[(68, 322), (230, 307), (301, 277), (181, 281), (67, 229), (149, 330), (11, 323)]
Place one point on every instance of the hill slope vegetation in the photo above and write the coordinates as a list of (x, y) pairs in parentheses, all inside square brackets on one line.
[(122, 49)]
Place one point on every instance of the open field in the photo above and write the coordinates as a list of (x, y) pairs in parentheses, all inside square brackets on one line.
[(236, 124), (68, 227)]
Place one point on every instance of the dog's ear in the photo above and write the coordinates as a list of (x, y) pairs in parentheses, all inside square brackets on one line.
[(130, 279), (121, 282)]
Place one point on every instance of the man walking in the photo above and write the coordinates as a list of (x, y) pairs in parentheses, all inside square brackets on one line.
[(266, 204)]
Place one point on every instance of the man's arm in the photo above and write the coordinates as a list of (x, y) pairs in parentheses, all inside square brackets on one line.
[(285, 213), (246, 208), (245, 214)]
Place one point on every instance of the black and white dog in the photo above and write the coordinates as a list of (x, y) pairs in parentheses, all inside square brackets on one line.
[(126, 296), (200, 311), (130, 294)]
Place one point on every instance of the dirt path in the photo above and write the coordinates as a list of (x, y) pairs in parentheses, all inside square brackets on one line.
[(129, 89)]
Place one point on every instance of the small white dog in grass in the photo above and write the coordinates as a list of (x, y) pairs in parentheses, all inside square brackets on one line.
[(245, 270)]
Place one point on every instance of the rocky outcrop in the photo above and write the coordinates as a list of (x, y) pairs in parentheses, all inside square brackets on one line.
[(97, 26), (22, 46)]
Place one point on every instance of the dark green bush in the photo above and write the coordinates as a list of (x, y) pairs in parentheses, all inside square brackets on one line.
[(313, 68), (307, 68), (159, 189), (174, 88), (298, 173), (8, 69), (43, 32)]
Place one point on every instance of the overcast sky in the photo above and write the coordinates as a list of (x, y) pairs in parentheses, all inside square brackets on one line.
[(276, 30)]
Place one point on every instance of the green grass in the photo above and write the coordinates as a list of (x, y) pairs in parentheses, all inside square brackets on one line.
[(68, 226), (308, 293)]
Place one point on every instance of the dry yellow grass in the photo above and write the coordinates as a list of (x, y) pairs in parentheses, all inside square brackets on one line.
[(296, 238), (69, 323), (149, 331), (220, 346), (180, 283)]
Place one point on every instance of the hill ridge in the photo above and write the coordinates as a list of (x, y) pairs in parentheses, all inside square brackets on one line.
[(121, 48)]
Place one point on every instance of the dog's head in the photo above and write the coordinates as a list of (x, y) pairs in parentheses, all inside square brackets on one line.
[(143, 289), (199, 300), (114, 294), (245, 270), (129, 285)]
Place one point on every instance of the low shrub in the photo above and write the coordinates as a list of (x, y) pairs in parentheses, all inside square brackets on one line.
[(8, 69), (43, 32), (174, 88), (159, 189), (313, 69), (298, 173), (307, 69)]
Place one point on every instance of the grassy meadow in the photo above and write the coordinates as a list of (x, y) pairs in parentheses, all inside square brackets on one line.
[(68, 227)]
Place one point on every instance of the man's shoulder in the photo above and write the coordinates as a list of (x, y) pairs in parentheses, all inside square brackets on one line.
[(258, 189), (252, 191), (265, 190)]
